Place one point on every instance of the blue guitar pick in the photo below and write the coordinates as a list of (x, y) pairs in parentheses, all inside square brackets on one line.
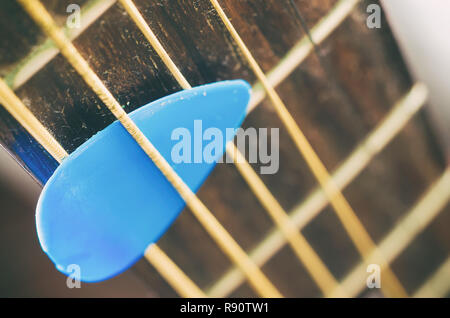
[(107, 201)]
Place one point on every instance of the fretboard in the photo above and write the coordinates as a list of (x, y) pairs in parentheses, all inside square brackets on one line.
[(345, 85)]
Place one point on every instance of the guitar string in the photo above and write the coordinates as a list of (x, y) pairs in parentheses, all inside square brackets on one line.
[(302, 249), (353, 226), (306, 211), (176, 278), (165, 266), (257, 279)]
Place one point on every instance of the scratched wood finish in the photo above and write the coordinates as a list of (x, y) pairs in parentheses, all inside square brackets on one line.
[(337, 99)]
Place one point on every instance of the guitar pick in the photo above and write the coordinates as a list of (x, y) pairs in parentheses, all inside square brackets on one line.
[(107, 201)]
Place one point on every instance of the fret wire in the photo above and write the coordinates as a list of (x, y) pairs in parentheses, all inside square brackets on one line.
[(163, 264), (230, 247), (417, 219), (45, 52), (353, 226), (302, 249), (356, 162), (438, 285)]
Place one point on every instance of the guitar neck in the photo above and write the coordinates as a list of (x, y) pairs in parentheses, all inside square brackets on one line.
[(341, 90)]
